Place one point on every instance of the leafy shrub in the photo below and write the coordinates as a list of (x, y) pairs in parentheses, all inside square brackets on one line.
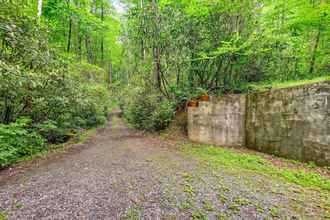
[(17, 140), (162, 115), (181, 95), (149, 111), (53, 132)]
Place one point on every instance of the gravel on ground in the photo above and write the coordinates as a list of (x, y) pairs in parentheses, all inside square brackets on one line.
[(123, 174)]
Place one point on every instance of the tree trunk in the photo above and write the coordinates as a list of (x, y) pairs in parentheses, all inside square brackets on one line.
[(316, 45), (158, 83), (69, 35), (88, 49), (110, 73), (143, 50), (39, 8), (156, 48), (79, 45), (102, 38)]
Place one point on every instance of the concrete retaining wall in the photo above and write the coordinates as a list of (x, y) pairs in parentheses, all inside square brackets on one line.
[(220, 121), (293, 122)]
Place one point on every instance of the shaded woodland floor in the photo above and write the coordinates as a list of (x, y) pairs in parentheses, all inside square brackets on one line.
[(122, 174)]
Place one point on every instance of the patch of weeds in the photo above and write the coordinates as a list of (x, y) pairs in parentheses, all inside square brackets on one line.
[(234, 207), (199, 215), (83, 136), (207, 205), (186, 205), (326, 215), (189, 190), (221, 216), (259, 208), (222, 198), (311, 165), (3, 215), (223, 188), (242, 162), (241, 201), (18, 205), (274, 212), (165, 134), (188, 177), (132, 214), (237, 203)]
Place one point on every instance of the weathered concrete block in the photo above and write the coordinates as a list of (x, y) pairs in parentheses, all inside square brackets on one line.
[(220, 121), (293, 122)]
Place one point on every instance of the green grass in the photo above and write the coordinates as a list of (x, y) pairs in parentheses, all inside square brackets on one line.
[(228, 158), (286, 84)]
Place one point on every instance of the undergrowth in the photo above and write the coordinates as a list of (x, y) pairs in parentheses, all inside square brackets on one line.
[(81, 137)]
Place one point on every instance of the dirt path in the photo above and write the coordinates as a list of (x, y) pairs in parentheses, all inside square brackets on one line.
[(121, 174)]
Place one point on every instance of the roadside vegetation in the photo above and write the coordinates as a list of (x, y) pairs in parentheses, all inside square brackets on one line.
[(53, 80)]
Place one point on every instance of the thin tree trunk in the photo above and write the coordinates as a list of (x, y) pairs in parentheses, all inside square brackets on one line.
[(88, 49), (102, 38), (157, 68), (110, 73), (143, 50), (316, 45), (39, 8), (156, 49), (69, 35), (79, 45)]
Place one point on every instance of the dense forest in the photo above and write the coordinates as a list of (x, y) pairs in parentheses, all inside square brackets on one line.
[(180, 49), (63, 63)]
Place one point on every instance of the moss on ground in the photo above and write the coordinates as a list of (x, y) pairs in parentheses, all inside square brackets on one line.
[(286, 84), (224, 157)]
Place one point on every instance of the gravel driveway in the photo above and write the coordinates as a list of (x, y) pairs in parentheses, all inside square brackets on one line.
[(122, 174)]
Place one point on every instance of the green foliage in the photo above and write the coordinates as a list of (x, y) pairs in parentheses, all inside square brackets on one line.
[(223, 45), (88, 72), (17, 140), (38, 81), (149, 111), (228, 158)]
